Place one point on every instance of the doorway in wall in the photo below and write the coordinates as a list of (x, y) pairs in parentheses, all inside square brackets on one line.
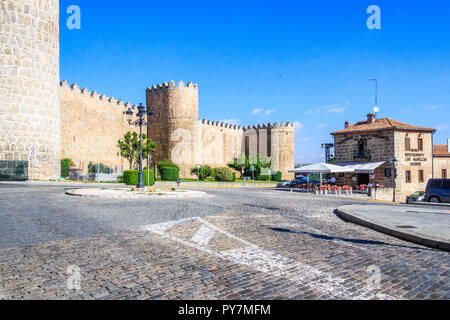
[(363, 178)]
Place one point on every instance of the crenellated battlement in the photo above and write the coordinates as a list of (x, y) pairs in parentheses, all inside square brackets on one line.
[(221, 125), (171, 84), (269, 125), (257, 127), (94, 95)]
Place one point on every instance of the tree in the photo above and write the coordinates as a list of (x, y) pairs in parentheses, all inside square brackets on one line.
[(254, 160), (129, 148)]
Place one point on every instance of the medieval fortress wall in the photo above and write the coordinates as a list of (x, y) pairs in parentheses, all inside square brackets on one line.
[(189, 141), (29, 76), (91, 125), (66, 121)]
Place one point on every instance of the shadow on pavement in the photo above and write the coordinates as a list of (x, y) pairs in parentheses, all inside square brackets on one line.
[(358, 241)]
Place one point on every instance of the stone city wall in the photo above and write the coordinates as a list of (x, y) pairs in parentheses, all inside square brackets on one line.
[(188, 141), (29, 76), (91, 125)]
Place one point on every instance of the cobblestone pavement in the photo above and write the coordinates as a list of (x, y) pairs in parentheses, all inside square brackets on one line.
[(239, 244)]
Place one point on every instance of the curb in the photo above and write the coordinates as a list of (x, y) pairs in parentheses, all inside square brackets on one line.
[(431, 204), (196, 195), (394, 232)]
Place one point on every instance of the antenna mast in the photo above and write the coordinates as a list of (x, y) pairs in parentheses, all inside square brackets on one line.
[(375, 108)]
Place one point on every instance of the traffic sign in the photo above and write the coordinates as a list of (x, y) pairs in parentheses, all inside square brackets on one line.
[(32, 151)]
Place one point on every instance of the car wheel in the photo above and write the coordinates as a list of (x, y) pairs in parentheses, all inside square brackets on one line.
[(434, 200)]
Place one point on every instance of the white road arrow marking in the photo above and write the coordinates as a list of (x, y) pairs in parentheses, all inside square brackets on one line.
[(203, 235), (266, 261)]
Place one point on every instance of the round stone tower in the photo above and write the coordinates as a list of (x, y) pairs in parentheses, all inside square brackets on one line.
[(173, 127), (29, 83)]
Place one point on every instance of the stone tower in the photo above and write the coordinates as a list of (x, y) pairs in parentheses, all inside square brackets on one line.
[(282, 142), (173, 127), (29, 83)]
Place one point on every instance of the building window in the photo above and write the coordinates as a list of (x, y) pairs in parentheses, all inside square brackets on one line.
[(421, 176), (363, 150), (444, 173), (408, 176), (407, 144), (420, 144)]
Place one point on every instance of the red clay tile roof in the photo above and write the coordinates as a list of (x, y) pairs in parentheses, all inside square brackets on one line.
[(385, 124), (441, 150)]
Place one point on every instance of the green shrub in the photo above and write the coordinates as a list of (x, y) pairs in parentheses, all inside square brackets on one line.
[(224, 175), (170, 173), (277, 176), (65, 166), (234, 176), (131, 177), (166, 164), (202, 173), (93, 168)]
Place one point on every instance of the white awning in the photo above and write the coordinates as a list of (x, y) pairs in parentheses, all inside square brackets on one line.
[(362, 167), (350, 167), (321, 167)]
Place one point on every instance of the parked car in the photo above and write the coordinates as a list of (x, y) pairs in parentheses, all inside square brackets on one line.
[(417, 196), (438, 190), (299, 180), (284, 184)]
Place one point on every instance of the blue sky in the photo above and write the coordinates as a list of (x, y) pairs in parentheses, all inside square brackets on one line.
[(258, 61)]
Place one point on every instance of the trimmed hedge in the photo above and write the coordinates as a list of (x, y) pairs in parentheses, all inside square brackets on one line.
[(170, 173), (131, 177), (275, 177), (224, 175), (166, 164), (234, 176)]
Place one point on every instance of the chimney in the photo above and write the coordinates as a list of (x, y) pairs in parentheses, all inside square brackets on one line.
[(347, 124), (371, 118)]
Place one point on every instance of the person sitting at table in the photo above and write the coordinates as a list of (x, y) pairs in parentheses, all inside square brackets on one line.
[(333, 181)]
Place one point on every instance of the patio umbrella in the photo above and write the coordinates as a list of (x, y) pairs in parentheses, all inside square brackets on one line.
[(321, 167)]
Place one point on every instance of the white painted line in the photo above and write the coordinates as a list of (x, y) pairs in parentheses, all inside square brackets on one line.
[(203, 235), (268, 262)]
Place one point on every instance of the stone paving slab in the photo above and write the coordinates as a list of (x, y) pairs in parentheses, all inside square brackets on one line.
[(430, 227)]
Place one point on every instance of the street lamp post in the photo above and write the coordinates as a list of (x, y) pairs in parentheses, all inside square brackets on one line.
[(395, 174), (139, 122)]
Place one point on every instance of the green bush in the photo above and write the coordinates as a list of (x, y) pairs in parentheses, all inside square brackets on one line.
[(202, 173), (131, 177), (224, 175), (65, 165), (93, 168), (234, 176), (166, 164), (170, 173), (277, 176)]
